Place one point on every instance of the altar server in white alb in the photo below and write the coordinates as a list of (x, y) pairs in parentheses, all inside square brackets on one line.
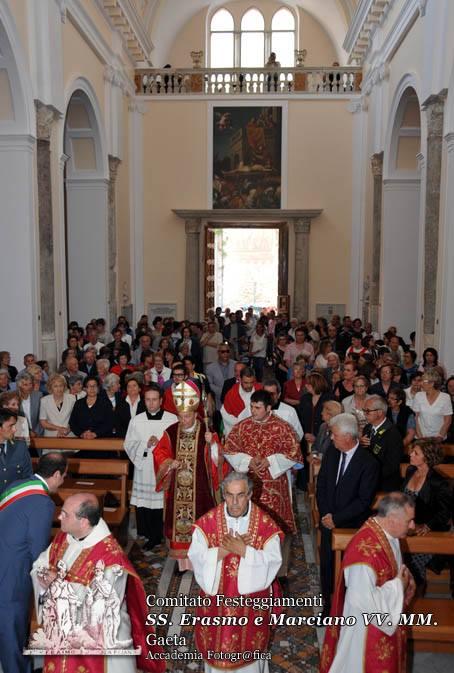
[(144, 433)]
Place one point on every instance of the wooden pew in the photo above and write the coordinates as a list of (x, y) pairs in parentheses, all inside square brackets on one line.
[(77, 444), (445, 469), (100, 477), (426, 638)]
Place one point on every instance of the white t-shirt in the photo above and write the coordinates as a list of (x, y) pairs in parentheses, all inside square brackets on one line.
[(431, 416), (258, 345)]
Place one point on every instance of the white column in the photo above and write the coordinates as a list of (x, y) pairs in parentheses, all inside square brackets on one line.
[(87, 246), (19, 299), (136, 112), (447, 267), (358, 196), (61, 297), (399, 273)]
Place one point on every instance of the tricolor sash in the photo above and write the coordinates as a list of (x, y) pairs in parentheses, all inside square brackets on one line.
[(22, 490)]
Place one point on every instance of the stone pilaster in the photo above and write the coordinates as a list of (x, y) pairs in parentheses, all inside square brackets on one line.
[(374, 289), (45, 116), (301, 288), (434, 108), (114, 163), (193, 228)]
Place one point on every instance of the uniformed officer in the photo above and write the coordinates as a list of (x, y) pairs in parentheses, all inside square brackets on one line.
[(26, 515), (15, 461)]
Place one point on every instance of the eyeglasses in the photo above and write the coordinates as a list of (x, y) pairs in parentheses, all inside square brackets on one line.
[(369, 411)]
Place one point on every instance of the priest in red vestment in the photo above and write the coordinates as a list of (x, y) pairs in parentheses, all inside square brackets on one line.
[(267, 447), (188, 463), (89, 597), (235, 551), (372, 581), (237, 402)]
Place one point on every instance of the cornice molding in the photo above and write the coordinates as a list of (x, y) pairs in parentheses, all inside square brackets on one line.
[(124, 18), (372, 13), (246, 215)]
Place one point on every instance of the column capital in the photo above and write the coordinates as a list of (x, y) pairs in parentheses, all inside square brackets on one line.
[(137, 106), (376, 162), (45, 116), (302, 225), (193, 226), (434, 107), (449, 137), (421, 159), (114, 163)]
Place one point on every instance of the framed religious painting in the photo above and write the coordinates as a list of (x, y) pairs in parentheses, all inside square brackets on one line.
[(247, 157)]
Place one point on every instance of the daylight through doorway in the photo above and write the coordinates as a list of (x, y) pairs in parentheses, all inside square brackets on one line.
[(246, 262)]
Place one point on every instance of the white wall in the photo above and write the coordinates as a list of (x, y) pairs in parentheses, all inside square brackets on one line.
[(19, 295), (399, 254)]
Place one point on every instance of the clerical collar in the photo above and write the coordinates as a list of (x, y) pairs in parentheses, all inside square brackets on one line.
[(267, 418), (189, 430), (242, 515), (156, 416)]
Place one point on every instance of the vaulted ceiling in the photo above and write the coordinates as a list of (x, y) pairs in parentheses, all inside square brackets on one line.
[(163, 19)]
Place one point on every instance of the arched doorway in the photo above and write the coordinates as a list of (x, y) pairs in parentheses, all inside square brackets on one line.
[(400, 221), (86, 209)]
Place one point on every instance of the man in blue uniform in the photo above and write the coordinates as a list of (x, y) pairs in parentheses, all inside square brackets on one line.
[(15, 461), (26, 514)]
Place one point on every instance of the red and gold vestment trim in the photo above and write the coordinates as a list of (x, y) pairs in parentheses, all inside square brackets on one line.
[(382, 653), (235, 638)]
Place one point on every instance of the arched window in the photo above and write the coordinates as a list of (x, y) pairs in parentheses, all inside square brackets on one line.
[(252, 39), (283, 37), (222, 42)]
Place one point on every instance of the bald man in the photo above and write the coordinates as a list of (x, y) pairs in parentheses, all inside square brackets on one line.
[(85, 561)]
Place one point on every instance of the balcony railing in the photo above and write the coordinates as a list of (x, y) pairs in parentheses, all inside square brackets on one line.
[(169, 82)]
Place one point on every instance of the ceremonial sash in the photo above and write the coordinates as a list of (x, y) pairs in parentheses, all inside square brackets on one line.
[(383, 653), (228, 638), (26, 488)]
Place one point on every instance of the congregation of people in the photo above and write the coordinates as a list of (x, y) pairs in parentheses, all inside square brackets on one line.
[(240, 405)]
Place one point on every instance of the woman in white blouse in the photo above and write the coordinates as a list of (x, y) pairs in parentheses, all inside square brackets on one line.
[(433, 409), (55, 408)]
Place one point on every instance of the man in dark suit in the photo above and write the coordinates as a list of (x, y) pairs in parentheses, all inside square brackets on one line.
[(88, 364), (382, 438), (26, 514), (15, 461), (229, 383), (346, 487)]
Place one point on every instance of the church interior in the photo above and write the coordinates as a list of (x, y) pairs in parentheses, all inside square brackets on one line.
[(138, 136)]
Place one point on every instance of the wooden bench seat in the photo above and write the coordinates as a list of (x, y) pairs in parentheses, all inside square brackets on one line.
[(437, 637), (77, 444), (99, 476)]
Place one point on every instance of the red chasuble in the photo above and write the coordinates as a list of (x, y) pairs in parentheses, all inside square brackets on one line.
[(382, 653), (189, 490), (265, 439), (233, 402), (82, 572), (227, 638)]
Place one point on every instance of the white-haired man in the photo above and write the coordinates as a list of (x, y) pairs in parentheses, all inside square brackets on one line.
[(235, 550), (373, 580), (346, 487)]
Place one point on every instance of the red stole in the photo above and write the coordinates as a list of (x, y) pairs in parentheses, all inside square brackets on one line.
[(233, 402), (189, 490), (235, 638), (383, 653), (265, 439), (82, 572)]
